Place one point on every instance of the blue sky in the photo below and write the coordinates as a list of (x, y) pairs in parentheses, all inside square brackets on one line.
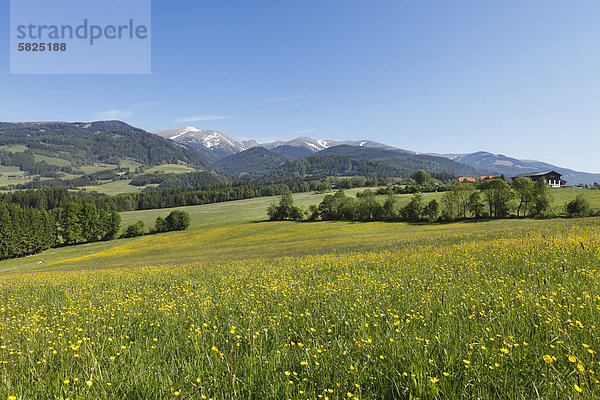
[(511, 77)]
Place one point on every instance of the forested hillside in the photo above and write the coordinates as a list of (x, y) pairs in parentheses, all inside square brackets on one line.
[(251, 162), (292, 152), (404, 160), (87, 143), (366, 161), (336, 165)]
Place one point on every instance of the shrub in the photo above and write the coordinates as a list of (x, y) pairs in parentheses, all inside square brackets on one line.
[(178, 220), (134, 230), (580, 207), (285, 210), (160, 225)]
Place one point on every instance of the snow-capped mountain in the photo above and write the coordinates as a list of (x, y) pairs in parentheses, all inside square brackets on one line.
[(318, 144), (219, 145), (215, 145), (209, 142)]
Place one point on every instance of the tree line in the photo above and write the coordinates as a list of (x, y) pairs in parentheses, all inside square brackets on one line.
[(492, 198), (29, 230), (25, 231), (177, 220), (56, 198)]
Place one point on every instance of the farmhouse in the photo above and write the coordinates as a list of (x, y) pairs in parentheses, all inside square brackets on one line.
[(552, 178), (467, 179)]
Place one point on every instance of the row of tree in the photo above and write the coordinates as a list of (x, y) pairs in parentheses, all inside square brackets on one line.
[(25, 231), (176, 221), (84, 223), (56, 198), (493, 198)]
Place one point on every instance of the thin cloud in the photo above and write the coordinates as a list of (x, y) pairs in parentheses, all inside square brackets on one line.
[(113, 114), (201, 118), (288, 98)]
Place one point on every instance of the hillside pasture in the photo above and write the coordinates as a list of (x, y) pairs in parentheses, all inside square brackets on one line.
[(506, 312)]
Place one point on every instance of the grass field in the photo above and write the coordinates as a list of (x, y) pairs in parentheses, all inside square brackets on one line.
[(234, 308), (116, 187), (90, 169), (170, 169), (214, 225), (51, 160), (14, 149), (6, 171)]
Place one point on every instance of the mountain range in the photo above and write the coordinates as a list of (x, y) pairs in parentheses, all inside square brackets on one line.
[(85, 152), (218, 147)]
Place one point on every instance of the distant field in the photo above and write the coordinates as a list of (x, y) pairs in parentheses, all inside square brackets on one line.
[(116, 187), (127, 163), (6, 171), (170, 168), (51, 160), (89, 169), (14, 149)]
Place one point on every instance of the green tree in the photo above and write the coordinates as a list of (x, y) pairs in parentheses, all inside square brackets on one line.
[(525, 193), (541, 199), (111, 224), (368, 208), (337, 207), (70, 227), (475, 205), (178, 220), (91, 228), (462, 193), (498, 195), (579, 207), (134, 230), (314, 213), (322, 188), (160, 225), (285, 209), (390, 211), (413, 211), (422, 177), (432, 210), (450, 201)]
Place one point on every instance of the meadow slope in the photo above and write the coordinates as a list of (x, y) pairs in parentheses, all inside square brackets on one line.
[(239, 309), (506, 314)]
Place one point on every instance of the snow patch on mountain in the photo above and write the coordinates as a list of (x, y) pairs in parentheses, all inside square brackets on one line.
[(184, 131)]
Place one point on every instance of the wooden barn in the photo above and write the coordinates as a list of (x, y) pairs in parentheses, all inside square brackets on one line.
[(552, 178)]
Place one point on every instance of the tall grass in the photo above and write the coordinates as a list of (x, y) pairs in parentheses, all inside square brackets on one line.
[(481, 316)]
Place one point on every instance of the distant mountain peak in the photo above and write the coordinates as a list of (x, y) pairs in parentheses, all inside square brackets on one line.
[(492, 163), (219, 145), (209, 142)]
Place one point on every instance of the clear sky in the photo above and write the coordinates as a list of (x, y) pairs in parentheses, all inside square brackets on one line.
[(521, 78)]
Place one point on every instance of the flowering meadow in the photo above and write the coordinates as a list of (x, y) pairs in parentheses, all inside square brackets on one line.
[(496, 316)]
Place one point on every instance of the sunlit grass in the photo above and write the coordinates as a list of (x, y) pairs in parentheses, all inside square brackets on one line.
[(483, 315)]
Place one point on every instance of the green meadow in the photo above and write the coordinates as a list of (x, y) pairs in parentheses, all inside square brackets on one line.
[(237, 307)]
